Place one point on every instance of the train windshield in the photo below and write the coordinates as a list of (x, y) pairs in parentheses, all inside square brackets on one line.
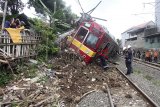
[(81, 34), (91, 40)]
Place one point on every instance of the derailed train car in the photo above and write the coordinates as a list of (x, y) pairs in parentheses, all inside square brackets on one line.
[(91, 40)]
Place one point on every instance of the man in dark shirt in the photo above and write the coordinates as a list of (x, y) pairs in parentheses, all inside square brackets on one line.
[(128, 60), (6, 24)]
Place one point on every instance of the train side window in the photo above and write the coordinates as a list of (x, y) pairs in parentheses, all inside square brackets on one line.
[(105, 45), (81, 34), (108, 44)]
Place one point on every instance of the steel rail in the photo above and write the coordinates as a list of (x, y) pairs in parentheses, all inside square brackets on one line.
[(154, 104), (109, 96), (149, 64)]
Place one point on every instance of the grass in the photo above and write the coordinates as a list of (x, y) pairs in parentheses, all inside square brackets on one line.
[(136, 71), (156, 82), (43, 79), (5, 77), (28, 71), (148, 77), (31, 71)]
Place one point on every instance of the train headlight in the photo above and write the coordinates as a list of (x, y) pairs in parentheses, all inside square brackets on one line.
[(87, 51)]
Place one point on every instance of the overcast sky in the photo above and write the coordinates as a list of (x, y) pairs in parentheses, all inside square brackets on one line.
[(120, 14)]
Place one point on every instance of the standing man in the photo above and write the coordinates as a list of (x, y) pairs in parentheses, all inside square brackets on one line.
[(128, 60), (147, 56), (155, 56), (138, 54)]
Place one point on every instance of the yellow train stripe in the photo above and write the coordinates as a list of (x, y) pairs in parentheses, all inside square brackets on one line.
[(82, 47)]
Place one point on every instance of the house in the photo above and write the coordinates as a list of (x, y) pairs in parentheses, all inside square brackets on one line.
[(152, 35), (146, 35), (135, 36)]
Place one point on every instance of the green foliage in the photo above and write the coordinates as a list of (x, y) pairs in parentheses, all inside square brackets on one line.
[(5, 77), (28, 71), (31, 72), (49, 4), (15, 6), (48, 37), (43, 79), (14, 104), (62, 13)]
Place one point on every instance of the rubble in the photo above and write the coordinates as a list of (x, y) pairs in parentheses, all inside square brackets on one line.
[(66, 83), (33, 61), (32, 92)]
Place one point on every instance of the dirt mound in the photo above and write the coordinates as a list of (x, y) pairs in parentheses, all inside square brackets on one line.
[(76, 79)]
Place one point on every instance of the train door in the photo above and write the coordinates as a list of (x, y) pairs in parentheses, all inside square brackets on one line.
[(104, 46), (105, 49)]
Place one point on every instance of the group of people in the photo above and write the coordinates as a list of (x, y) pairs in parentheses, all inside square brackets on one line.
[(148, 55), (14, 23)]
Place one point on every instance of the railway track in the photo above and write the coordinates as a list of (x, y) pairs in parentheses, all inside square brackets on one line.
[(145, 96), (150, 64), (111, 101)]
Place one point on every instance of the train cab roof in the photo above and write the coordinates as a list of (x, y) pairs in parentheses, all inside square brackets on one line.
[(99, 27)]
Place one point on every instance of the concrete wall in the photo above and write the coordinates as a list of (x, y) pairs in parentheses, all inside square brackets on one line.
[(124, 36), (157, 14), (139, 43), (155, 45)]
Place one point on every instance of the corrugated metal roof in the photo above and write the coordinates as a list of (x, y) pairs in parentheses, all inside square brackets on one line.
[(140, 26)]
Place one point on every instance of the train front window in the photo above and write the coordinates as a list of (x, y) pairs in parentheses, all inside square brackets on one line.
[(81, 34), (91, 40)]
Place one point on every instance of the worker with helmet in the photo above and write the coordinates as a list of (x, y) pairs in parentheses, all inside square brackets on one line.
[(147, 55), (155, 56), (128, 60), (124, 50)]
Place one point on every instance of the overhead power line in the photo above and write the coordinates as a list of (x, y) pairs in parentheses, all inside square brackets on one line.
[(152, 3)]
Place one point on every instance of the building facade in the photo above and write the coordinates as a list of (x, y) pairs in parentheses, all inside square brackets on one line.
[(146, 35), (135, 36)]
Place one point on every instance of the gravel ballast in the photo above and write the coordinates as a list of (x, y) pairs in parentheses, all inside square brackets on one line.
[(95, 99)]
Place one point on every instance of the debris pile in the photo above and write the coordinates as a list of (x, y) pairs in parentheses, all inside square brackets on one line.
[(66, 82), (32, 92), (76, 79)]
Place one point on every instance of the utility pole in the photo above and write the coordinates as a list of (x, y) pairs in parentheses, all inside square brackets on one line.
[(4, 14), (51, 20)]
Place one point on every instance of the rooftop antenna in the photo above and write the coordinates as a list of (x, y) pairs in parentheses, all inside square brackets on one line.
[(81, 6), (87, 15), (90, 12)]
